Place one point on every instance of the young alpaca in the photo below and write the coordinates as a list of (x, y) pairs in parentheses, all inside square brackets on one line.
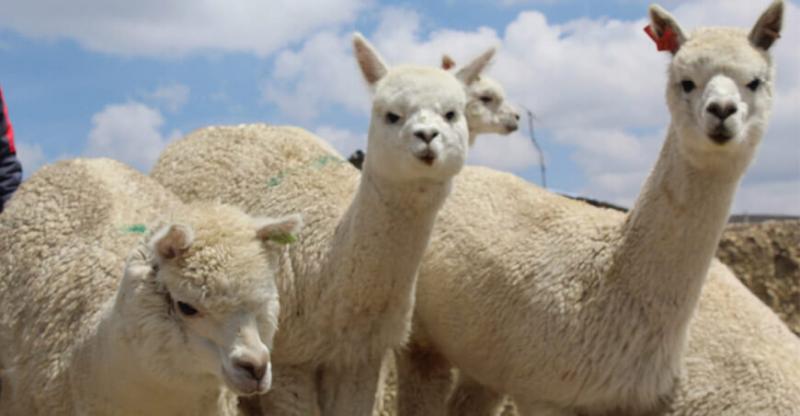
[(572, 310), (487, 109), (185, 328), (347, 297)]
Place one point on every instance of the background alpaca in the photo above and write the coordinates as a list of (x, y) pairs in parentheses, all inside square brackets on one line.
[(194, 311), (348, 295), (595, 310), (487, 108)]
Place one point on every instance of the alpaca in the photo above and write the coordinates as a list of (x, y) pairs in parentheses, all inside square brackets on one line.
[(575, 310), (185, 327), (487, 109), (348, 296), (740, 355)]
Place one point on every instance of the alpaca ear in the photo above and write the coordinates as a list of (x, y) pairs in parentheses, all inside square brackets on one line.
[(281, 230), (768, 27), (665, 30), (370, 62), (447, 62), (472, 71), (172, 241)]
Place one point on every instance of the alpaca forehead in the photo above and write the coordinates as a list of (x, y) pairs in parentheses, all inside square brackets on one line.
[(223, 293), (713, 50), (487, 85), (420, 87), (222, 271)]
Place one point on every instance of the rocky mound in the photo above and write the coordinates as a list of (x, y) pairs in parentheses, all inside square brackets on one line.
[(766, 257)]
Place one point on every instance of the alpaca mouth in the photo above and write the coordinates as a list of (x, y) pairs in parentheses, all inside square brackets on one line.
[(243, 386), (426, 156), (510, 128), (720, 135)]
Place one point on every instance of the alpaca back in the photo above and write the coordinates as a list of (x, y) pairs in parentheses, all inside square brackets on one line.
[(263, 169), (63, 242), (100, 201)]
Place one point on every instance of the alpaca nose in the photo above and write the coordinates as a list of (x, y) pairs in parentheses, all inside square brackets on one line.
[(516, 116), (722, 111), (255, 370), (426, 135)]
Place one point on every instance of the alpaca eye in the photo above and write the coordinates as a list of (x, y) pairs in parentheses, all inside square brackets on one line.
[(754, 84), (450, 116), (187, 309), (486, 99), (392, 118), (687, 85)]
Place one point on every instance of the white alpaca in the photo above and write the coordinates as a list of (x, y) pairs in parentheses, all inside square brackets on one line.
[(573, 310), (487, 108), (179, 328), (347, 296)]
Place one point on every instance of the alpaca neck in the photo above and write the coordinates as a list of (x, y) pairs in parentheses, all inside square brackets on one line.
[(671, 235), (111, 378), (376, 251)]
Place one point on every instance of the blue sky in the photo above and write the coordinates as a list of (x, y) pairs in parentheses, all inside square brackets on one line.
[(113, 78)]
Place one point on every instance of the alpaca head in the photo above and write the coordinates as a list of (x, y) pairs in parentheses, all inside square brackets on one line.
[(720, 85), (487, 108), (199, 304), (418, 129)]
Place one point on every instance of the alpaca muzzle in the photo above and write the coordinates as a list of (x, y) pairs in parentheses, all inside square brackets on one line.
[(247, 377)]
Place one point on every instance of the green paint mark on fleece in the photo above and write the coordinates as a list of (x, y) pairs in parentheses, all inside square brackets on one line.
[(317, 163), (283, 238), (135, 229)]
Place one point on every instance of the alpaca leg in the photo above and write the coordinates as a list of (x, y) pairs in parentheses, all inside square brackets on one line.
[(470, 398), (293, 393), (423, 382), (349, 391), (386, 396)]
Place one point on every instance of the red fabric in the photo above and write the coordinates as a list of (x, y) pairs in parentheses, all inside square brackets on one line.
[(10, 132), (667, 42)]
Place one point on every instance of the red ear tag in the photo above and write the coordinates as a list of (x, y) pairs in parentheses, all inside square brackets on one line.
[(667, 42)]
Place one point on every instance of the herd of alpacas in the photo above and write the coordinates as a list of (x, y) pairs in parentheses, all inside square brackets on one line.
[(256, 272)]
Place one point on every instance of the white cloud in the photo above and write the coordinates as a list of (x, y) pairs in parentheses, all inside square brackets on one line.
[(598, 73), (173, 97), (176, 27), (513, 153), (129, 133), (615, 162), (344, 141), (321, 74), (31, 156)]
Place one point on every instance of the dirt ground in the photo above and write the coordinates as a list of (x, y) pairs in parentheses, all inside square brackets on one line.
[(765, 256)]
